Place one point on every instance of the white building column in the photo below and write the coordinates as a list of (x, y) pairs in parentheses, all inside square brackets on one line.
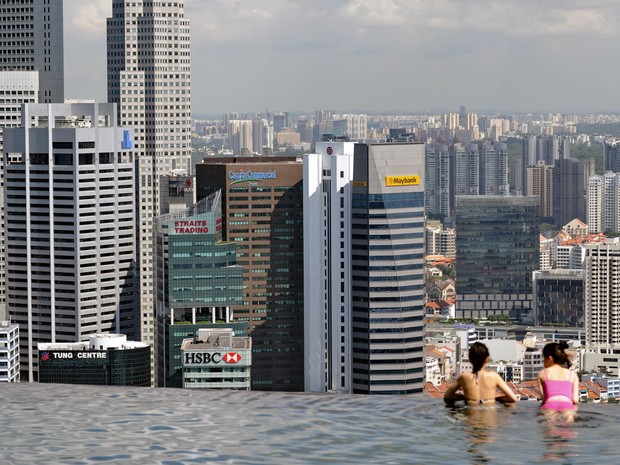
[(193, 315), (213, 315)]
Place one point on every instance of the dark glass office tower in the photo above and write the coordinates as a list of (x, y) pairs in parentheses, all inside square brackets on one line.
[(496, 253)]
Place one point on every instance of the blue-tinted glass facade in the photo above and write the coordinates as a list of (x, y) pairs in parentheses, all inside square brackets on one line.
[(496, 253)]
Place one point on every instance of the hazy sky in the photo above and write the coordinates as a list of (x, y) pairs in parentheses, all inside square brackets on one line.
[(379, 55)]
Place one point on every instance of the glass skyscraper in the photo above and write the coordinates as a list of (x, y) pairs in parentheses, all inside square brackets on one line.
[(496, 252)]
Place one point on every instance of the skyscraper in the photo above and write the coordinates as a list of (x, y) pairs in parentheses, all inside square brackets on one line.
[(496, 252), (149, 79), (262, 213), (439, 180), (611, 156), (570, 187), (363, 268), (540, 183), (32, 40), (603, 201), (70, 235), (602, 298)]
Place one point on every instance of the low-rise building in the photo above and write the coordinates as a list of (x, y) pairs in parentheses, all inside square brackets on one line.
[(106, 359), (217, 359)]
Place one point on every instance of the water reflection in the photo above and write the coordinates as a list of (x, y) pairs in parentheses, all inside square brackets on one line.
[(482, 425), (559, 437)]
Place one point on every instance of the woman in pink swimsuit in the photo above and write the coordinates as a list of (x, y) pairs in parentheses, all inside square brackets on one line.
[(559, 385)]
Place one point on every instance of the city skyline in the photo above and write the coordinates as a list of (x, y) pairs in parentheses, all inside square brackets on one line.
[(392, 55)]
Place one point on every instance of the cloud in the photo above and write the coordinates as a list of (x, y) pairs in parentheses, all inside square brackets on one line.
[(87, 19)]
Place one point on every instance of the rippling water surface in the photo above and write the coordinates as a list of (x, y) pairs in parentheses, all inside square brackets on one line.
[(63, 424)]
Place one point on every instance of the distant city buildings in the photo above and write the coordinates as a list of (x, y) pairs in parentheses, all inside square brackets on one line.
[(474, 169), (441, 241), (363, 268), (603, 203), (496, 252)]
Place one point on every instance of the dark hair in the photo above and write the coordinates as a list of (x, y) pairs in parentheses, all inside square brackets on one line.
[(556, 350), (478, 354)]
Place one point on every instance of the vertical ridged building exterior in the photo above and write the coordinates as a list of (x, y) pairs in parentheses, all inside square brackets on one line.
[(602, 297), (70, 231), (149, 79), (364, 274), (32, 40)]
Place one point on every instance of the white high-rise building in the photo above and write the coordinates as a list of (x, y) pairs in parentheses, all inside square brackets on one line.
[(9, 352), (603, 203), (363, 268), (602, 297), (240, 138), (70, 226), (149, 79), (32, 40), (16, 88)]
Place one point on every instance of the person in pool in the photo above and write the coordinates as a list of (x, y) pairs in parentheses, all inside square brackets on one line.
[(480, 386), (558, 385)]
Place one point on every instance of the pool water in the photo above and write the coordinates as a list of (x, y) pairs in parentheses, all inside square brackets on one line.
[(65, 424)]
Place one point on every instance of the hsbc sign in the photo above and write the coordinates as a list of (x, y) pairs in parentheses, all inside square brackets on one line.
[(211, 358)]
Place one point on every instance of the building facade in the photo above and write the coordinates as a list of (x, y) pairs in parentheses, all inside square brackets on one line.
[(540, 183), (602, 297), (364, 230), (9, 352), (16, 88), (198, 279), (106, 359), (70, 235), (497, 244), (217, 359), (558, 298), (262, 213), (32, 33), (603, 203), (148, 47)]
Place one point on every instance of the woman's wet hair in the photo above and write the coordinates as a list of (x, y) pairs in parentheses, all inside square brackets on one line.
[(557, 351), (478, 354)]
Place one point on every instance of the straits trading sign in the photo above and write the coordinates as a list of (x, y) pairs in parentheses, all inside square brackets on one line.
[(399, 181), (251, 177), (195, 226)]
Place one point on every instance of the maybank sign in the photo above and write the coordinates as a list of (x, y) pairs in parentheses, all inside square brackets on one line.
[(250, 176), (407, 180)]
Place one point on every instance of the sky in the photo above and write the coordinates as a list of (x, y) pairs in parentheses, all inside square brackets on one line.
[(379, 56)]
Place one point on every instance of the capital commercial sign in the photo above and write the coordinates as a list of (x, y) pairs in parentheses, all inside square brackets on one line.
[(251, 177)]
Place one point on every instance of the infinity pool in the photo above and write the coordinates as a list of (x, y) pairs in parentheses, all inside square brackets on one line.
[(64, 424)]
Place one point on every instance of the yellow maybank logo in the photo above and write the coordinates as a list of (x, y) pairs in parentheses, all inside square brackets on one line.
[(409, 180)]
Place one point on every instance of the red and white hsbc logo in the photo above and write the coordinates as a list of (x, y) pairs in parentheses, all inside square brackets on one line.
[(231, 357)]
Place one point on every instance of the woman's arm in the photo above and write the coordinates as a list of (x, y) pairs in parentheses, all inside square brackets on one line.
[(540, 387), (575, 388), (450, 395), (508, 396)]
